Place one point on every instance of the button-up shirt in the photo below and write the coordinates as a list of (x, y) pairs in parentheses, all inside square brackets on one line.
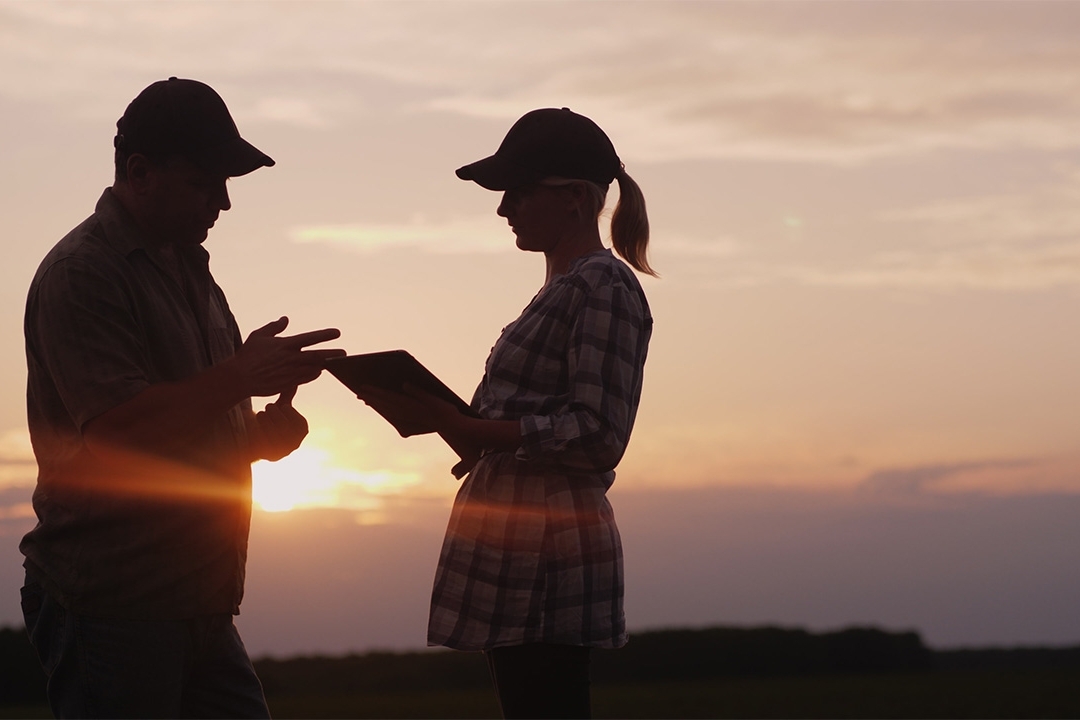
[(128, 534), (532, 553)]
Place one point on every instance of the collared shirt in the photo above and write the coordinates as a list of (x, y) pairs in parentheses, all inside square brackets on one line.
[(532, 552), (124, 534)]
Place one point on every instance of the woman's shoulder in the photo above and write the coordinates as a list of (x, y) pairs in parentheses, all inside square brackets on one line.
[(610, 283), (603, 269)]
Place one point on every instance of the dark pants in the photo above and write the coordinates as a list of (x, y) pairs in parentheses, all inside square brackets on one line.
[(195, 668), (541, 681)]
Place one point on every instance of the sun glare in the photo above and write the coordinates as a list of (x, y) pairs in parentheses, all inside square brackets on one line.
[(307, 479)]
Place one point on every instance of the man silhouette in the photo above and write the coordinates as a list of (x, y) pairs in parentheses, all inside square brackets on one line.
[(139, 408)]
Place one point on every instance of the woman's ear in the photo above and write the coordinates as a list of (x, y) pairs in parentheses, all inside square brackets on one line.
[(579, 195)]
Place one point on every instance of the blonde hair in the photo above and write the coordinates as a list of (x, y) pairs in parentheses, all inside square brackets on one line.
[(630, 225), (629, 220)]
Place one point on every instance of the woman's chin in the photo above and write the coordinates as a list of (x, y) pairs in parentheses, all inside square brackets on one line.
[(524, 244)]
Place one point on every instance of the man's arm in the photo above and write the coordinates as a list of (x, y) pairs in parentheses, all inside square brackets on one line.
[(166, 416)]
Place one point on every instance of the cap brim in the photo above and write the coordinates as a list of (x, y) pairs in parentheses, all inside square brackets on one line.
[(238, 157), (496, 173)]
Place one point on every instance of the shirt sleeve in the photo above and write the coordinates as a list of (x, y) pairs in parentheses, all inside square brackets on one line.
[(82, 330), (605, 359)]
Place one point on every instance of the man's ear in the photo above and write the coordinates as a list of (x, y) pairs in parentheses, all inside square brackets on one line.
[(139, 171)]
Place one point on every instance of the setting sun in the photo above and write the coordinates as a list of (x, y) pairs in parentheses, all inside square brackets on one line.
[(860, 399), (308, 479)]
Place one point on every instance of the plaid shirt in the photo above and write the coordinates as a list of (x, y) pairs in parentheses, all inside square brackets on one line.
[(532, 553), (165, 537)]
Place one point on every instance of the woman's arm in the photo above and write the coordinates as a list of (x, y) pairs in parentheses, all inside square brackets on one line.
[(423, 413), (605, 358)]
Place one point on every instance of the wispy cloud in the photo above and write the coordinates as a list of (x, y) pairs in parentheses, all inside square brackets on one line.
[(994, 268), (1004, 476), (1023, 239), (1006, 269), (17, 465), (788, 81), (469, 235), (18, 511), (830, 82), (289, 111), (472, 235)]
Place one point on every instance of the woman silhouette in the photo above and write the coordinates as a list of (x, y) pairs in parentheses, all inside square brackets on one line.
[(531, 570)]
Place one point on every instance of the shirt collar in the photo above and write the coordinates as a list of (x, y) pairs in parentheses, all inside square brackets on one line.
[(582, 258), (122, 233)]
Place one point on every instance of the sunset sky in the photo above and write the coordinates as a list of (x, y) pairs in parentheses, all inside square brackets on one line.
[(862, 398)]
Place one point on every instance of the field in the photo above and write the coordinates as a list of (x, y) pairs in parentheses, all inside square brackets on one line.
[(718, 673), (1054, 694)]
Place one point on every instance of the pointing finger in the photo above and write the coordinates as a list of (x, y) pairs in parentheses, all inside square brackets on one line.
[(313, 337)]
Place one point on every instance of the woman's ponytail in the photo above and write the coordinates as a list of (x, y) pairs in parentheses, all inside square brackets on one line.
[(630, 225)]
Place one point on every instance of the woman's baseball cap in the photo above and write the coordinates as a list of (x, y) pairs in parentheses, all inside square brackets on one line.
[(546, 143), (187, 118)]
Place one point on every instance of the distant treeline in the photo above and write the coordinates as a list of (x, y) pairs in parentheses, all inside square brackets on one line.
[(664, 655), (21, 679)]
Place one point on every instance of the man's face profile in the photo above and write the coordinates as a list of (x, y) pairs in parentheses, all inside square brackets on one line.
[(182, 201)]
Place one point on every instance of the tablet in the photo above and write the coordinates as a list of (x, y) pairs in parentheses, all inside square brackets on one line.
[(390, 370)]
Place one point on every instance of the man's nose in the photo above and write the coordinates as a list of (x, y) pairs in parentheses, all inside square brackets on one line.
[(221, 198), (503, 209)]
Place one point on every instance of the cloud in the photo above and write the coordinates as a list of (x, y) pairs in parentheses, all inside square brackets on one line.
[(835, 83), (472, 235), (685, 246), (18, 469), (326, 485), (995, 268), (18, 511), (289, 111), (1019, 240), (988, 268), (832, 84), (1020, 476), (1027, 239), (468, 235)]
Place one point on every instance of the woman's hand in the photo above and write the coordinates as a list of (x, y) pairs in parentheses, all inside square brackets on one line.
[(413, 412), (416, 412)]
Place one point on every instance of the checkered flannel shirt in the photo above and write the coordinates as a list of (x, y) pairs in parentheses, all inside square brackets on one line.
[(532, 553)]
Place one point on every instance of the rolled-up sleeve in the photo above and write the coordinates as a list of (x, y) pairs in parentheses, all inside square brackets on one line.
[(605, 359)]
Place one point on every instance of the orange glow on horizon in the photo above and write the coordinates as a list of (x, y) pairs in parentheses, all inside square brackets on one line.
[(308, 479)]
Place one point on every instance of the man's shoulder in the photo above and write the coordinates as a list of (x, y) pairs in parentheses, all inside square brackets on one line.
[(84, 244)]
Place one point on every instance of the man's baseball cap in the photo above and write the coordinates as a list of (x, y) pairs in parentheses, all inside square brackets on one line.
[(187, 118), (546, 143)]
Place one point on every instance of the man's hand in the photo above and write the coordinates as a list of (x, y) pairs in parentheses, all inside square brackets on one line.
[(278, 429), (167, 416), (268, 365)]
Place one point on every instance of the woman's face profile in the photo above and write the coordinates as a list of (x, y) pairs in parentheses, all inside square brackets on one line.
[(539, 215)]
